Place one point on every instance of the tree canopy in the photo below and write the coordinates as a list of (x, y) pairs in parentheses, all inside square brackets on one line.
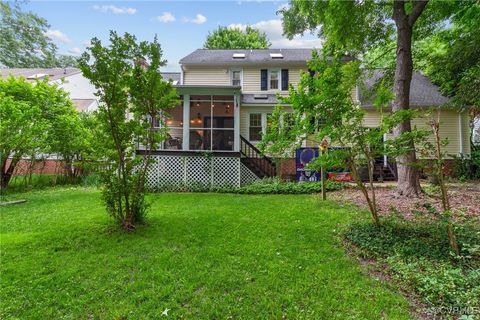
[(451, 57), (132, 93), (235, 38), (37, 119), (389, 28), (23, 40)]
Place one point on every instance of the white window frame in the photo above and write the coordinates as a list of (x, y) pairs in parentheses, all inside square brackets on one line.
[(241, 76), (264, 120), (279, 86)]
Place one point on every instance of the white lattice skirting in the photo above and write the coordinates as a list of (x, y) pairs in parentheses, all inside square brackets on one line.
[(177, 173)]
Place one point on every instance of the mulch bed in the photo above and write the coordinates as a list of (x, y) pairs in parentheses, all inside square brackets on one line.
[(464, 199)]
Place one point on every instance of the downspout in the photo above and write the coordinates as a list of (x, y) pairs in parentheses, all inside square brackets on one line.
[(181, 75)]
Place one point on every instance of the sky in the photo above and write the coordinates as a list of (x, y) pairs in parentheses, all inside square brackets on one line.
[(181, 26)]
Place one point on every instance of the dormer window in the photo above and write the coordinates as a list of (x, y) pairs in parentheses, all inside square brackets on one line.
[(276, 55), (238, 56)]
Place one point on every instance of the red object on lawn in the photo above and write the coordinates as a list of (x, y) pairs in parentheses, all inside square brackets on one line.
[(340, 176)]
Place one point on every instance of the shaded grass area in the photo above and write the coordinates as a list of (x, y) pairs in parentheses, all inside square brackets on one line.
[(203, 256), (418, 256), (31, 182)]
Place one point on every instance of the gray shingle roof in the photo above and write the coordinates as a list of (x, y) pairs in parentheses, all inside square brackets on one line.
[(53, 73), (254, 56), (174, 76), (423, 93)]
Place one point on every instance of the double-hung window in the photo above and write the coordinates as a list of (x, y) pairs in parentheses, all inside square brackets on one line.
[(258, 124), (273, 79), (236, 77), (255, 127)]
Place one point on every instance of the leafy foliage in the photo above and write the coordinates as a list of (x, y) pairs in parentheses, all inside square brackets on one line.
[(23, 40), (418, 256), (360, 27), (451, 57), (323, 110), (235, 38), (37, 119), (275, 186), (132, 92), (468, 168)]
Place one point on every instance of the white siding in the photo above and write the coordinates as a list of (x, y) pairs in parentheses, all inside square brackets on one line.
[(78, 87), (449, 128), (206, 76), (221, 76), (251, 79)]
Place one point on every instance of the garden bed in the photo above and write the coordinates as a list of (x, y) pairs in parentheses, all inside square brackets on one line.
[(464, 198)]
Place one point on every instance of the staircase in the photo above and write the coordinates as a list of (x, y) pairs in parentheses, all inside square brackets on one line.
[(253, 159), (384, 173)]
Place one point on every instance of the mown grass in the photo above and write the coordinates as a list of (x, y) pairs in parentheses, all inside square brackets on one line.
[(203, 256)]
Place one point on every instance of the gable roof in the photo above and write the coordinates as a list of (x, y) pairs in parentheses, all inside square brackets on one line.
[(252, 56), (53, 73), (423, 93)]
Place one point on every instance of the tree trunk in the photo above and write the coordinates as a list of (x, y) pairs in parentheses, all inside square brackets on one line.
[(7, 172), (408, 175)]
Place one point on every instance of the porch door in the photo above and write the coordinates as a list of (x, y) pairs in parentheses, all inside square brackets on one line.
[(212, 123)]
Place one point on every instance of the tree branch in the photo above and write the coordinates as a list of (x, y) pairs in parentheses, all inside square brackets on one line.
[(417, 10)]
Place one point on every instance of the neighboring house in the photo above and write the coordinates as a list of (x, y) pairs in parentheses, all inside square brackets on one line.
[(82, 94), (81, 91), (70, 79), (227, 96)]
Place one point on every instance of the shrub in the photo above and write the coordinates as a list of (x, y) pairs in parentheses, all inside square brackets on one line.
[(276, 186), (468, 168), (263, 186)]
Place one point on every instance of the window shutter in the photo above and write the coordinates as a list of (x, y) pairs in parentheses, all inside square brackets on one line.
[(284, 79), (263, 79)]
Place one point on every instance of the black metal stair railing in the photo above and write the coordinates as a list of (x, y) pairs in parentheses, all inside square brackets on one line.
[(255, 160)]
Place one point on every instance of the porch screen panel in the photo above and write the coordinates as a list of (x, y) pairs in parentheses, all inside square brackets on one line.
[(200, 129), (174, 123), (222, 123), (212, 123)]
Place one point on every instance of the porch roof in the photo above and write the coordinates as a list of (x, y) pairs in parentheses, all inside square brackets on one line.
[(208, 89)]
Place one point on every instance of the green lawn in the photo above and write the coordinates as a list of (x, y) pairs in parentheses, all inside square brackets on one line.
[(203, 256)]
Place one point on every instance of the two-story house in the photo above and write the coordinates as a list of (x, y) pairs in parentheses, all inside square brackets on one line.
[(227, 96)]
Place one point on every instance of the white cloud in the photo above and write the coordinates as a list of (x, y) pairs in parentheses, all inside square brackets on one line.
[(58, 35), (115, 9), (166, 17), (273, 29), (87, 43), (199, 19), (75, 51)]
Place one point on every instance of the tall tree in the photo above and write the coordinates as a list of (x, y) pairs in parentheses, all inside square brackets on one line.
[(235, 38), (356, 27), (24, 43), (127, 77)]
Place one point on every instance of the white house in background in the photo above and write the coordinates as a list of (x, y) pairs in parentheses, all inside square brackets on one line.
[(70, 79), (81, 91)]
